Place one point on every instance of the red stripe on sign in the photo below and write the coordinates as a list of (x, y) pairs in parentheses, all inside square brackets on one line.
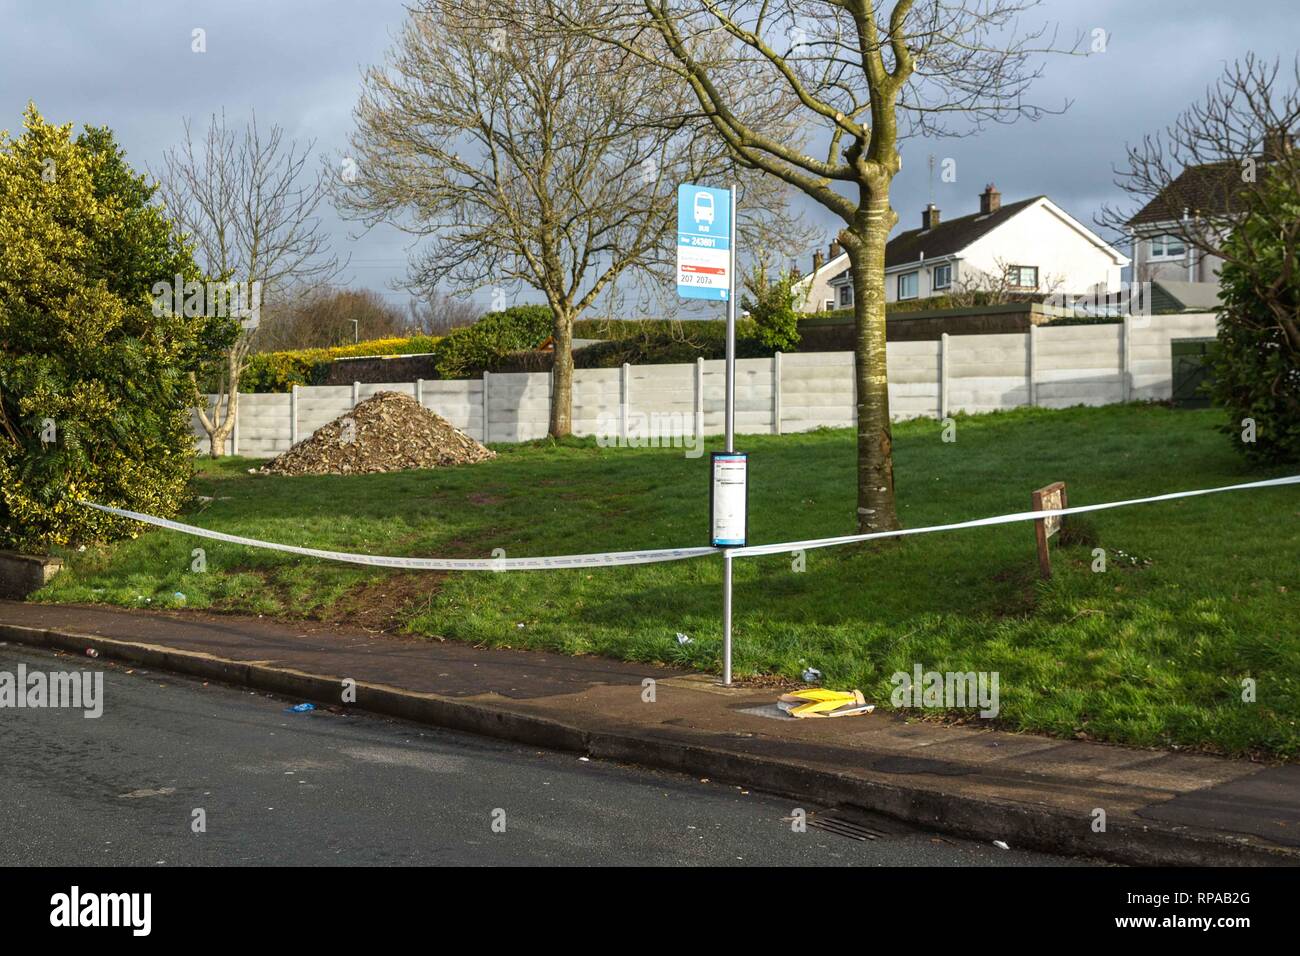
[(706, 270)]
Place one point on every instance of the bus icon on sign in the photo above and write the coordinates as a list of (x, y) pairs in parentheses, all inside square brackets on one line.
[(703, 208)]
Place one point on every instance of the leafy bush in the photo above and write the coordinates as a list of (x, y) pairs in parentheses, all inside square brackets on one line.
[(467, 351), (673, 340), (281, 371), (1256, 370), (655, 348), (629, 328), (95, 388), (771, 307)]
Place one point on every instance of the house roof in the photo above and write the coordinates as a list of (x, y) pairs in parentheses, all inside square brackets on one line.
[(835, 266), (1213, 189), (1205, 190), (951, 236), (947, 238), (1172, 296)]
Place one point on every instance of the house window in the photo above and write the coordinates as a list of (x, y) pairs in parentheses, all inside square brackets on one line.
[(907, 285), (830, 305), (1167, 247), (846, 295), (1022, 277), (942, 276)]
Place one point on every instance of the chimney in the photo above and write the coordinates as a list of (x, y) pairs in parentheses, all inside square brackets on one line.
[(990, 199), (929, 217), (819, 260), (834, 250)]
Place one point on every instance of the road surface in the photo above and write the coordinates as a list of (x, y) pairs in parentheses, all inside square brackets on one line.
[(312, 789)]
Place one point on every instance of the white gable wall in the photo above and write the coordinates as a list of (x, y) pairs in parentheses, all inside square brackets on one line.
[(814, 289), (1043, 237)]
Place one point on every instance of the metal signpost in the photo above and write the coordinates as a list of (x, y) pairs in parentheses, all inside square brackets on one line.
[(706, 269)]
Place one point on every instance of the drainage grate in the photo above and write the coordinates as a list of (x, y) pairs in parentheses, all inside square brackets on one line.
[(856, 825)]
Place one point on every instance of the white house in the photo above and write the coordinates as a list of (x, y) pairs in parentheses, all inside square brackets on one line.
[(1029, 246), (813, 292)]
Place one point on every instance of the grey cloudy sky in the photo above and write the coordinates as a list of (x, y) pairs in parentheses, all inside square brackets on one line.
[(128, 65)]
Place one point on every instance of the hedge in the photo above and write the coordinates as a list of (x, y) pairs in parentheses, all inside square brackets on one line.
[(280, 371), (470, 350)]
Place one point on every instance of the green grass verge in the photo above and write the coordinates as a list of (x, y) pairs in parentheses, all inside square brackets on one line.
[(1145, 653)]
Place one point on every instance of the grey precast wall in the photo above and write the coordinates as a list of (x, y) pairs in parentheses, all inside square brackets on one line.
[(1048, 367)]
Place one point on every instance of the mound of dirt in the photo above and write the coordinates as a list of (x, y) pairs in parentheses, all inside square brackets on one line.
[(387, 432)]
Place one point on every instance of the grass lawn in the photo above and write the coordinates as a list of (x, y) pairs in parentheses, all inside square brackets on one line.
[(1198, 594)]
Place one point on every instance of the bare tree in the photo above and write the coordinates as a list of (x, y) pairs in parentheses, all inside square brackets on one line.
[(1222, 161), (240, 196), (855, 76), (531, 157), (977, 287), (320, 316), (439, 313)]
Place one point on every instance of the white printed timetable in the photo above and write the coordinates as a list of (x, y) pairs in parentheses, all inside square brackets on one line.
[(729, 504)]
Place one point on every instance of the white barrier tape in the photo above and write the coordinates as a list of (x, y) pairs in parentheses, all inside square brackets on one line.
[(789, 546), (613, 558), (620, 558)]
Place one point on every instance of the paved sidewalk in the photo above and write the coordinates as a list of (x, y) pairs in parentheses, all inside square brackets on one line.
[(1029, 791)]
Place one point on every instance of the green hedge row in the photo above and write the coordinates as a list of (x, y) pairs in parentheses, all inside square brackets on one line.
[(462, 353), (476, 348), (281, 371)]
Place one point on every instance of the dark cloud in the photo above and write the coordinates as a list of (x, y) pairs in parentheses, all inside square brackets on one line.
[(1159, 57), (130, 66)]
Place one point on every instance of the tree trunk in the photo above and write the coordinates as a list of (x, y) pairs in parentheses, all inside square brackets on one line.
[(217, 436), (865, 243), (221, 425), (562, 376)]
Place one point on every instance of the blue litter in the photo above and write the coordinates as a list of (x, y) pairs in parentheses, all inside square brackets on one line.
[(299, 708)]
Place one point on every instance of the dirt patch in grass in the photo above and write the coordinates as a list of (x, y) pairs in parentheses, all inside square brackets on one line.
[(479, 498), (384, 606), (1017, 594)]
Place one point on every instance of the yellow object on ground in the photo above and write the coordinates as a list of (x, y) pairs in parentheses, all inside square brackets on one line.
[(821, 702)]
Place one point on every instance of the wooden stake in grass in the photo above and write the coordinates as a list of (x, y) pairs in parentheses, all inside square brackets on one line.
[(1050, 498)]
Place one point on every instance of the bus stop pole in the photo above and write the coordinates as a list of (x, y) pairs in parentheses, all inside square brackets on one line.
[(731, 435)]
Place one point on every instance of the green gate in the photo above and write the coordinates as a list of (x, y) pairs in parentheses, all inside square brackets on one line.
[(1191, 369)]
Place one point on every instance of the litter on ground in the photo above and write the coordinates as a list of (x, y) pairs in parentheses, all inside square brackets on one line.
[(822, 702)]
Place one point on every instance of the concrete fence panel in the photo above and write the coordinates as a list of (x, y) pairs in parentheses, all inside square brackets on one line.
[(1055, 367), (1080, 365), (987, 373)]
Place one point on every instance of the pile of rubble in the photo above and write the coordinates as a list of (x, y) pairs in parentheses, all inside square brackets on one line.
[(387, 432)]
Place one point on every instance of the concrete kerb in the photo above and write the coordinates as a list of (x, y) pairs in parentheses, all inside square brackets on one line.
[(1022, 825)]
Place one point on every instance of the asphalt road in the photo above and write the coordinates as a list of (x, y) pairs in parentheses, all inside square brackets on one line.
[(332, 789)]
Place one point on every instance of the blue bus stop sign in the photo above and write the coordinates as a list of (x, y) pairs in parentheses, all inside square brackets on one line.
[(703, 242)]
